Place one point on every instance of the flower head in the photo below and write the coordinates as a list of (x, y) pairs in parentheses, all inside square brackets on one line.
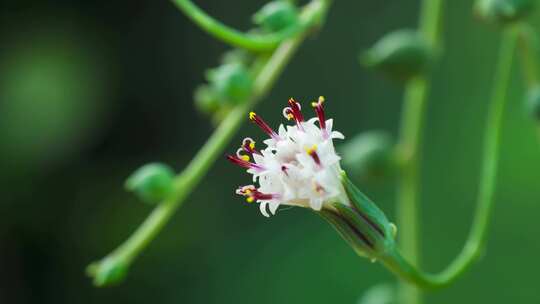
[(299, 165)]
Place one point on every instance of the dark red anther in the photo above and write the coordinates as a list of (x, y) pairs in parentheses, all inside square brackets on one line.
[(295, 110), (244, 163), (318, 106), (263, 125), (248, 145), (253, 194), (313, 153)]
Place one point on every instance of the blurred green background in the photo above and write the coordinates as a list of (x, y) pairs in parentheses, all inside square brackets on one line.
[(91, 90)]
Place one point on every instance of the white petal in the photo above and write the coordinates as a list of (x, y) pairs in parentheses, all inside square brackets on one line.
[(273, 207), (316, 204), (262, 207), (329, 124), (337, 134)]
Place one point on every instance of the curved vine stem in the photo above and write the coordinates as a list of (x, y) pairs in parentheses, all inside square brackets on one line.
[(253, 42), (186, 181), (477, 236), (415, 101)]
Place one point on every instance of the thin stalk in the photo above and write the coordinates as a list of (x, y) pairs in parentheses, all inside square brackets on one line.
[(186, 181), (528, 53), (220, 31), (528, 50), (409, 181), (415, 100), (492, 143)]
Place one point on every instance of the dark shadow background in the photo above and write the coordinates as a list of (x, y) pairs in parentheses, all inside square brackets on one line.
[(91, 90)]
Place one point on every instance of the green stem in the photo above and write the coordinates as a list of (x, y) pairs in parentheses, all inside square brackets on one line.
[(415, 100), (254, 42), (492, 142), (528, 52), (409, 180), (186, 181)]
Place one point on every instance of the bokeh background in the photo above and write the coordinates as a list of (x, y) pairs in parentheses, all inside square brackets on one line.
[(91, 90)]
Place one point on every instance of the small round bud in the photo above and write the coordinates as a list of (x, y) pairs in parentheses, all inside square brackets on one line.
[(400, 55), (368, 155), (152, 182), (533, 102), (108, 271), (231, 82), (276, 15), (503, 11), (379, 294), (206, 100)]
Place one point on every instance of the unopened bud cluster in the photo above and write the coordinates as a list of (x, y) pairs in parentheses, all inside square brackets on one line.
[(231, 83)]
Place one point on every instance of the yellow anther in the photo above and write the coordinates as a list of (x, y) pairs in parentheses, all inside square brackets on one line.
[(250, 199), (248, 191), (311, 150), (245, 157), (290, 116), (252, 115), (321, 99), (252, 145), (314, 104)]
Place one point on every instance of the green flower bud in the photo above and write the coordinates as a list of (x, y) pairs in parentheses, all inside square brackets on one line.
[(237, 56), (276, 15), (533, 102), (152, 182), (231, 82), (361, 223), (368, 155), (379, 294), (206, 100), (503, 11), (400, 55), (108, 271)]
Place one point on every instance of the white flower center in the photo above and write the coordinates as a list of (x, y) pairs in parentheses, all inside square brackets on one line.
[(298, 166)]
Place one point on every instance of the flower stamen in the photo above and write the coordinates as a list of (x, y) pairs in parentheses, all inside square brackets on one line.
[(318, 188), (243, 161), (318, 106), (295, 110), (298, 166), (253, 194), (263, 125), (248, 145), (313, 153)]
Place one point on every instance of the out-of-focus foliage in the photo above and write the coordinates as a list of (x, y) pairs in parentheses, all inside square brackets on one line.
[(502, 11), (533, 102), (277, 15), (51, 95)]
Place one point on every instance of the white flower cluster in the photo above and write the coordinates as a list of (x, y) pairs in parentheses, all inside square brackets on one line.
[(298, 167)]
